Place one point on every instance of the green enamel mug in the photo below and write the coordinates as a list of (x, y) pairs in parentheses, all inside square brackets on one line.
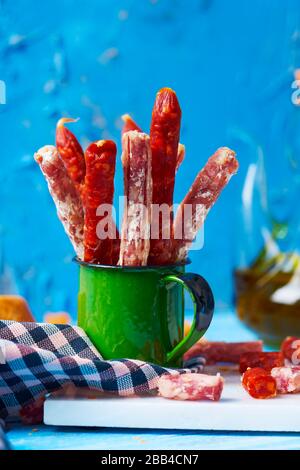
[(138, 313)]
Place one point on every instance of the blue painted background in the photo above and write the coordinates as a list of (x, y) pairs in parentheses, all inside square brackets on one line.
[(231, 63)]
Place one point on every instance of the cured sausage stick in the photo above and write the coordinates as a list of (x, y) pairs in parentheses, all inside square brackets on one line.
[(73, 157), (191, 386), (100, 160), (65, 196), (131, 125), (204, 192), (263, 360), (220, 351), (71, 152), (164, 139), (135, 236)]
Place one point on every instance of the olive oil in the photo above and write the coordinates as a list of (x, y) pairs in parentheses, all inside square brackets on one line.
[(268, 301)]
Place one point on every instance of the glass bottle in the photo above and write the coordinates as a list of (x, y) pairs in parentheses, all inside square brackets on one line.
[(267, 268)]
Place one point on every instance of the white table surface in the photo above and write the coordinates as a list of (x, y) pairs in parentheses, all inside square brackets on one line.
[(226, 327)]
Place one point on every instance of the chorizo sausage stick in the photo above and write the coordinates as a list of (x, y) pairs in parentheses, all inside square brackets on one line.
[(263, 360), (71, 152), (131, 125), (164, 139), (220, 351), (100, 160)]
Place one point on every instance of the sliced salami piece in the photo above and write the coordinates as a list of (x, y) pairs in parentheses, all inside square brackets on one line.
[(287, 379), (135, 237), (191, 387), (65, 195), (71, 152), (290, 349), (264, 360), (259, 383), (219, 351), (201, 197), (164, 138), (99, 228)]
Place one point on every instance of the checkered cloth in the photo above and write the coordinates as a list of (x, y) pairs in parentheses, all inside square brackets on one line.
[(38, 358)]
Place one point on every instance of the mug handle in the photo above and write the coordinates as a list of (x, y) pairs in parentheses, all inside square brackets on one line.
[(204, 305)]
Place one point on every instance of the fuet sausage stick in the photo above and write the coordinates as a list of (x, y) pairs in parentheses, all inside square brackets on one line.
[(136, 160), (65, 195), (100, 158), (204, 192), (221, 351)]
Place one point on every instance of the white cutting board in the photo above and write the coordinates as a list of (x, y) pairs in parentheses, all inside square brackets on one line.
[(236, 411)]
